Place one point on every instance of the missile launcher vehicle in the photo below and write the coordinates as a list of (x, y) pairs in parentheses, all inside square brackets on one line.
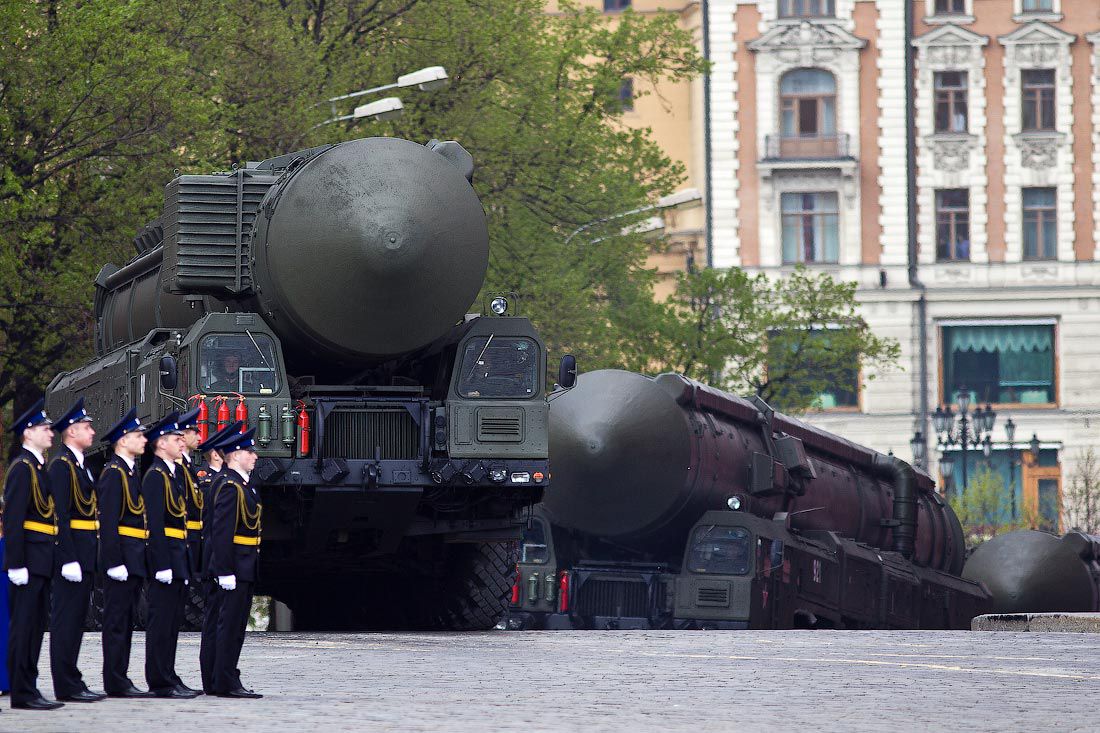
[(676, 505), (322, 296)]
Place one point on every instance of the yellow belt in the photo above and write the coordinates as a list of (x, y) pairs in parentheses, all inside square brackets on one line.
[(91, 524), (192, 524), (242, 540), (40, 527), (179, 534), (141, 534)]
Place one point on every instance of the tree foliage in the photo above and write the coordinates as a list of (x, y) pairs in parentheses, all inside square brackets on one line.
[(1082, 495), (985, 509), (788, 340)]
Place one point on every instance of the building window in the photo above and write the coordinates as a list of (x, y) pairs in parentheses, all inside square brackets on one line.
[(811, 354), (807, 9), (950, 7), (810, 228), (953, 224), (626, 95), (1038, 99), (807, 114), (951, 95), (1006, 364), (1038, 6), (614, 6), (1040, 225)]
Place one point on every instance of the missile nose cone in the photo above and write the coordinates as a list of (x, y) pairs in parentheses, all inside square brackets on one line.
[(1031, 572), (619, 450)]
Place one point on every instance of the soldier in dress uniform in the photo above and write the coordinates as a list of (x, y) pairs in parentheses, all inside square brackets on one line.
[(234, 535), (189, 425), (30, 533), (215, 463), (123, 534), (166, 512), (74, 496)]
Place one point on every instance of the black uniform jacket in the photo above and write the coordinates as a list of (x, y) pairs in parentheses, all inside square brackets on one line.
[(236, 528), (166, 510), (115, 512), (27, 500), (207, 483), (75, 501), (195, 503)]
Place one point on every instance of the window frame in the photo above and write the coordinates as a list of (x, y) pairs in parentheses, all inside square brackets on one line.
[(1045, 213), (1038, 104), (616, 6), (807, 218), (1056, 382), (948, 11), (953, 221), (626, 94), (260, 337), (784, 10), (459, 379), (792, 102), (951, 94)]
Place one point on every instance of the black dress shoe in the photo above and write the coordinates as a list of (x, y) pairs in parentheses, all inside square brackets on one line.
[(189, 690), (240, 692), (100, 695), (40, 703), (173, 694), (83, 696), (131, 692)]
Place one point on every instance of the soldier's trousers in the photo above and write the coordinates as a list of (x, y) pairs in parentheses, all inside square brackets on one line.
[(68, 611), (162, 633), (234, 608), (208, 648), (120, 599), (30, 608)]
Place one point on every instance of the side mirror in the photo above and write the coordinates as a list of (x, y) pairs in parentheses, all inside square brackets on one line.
[(567, 372), (168, 372)]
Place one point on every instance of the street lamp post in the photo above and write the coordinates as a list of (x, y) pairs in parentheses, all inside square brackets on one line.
[(1010, 433), (681, 199), (966, 430), (918, 447)]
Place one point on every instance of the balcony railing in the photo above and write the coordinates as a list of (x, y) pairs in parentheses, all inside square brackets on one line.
[(807, 147)]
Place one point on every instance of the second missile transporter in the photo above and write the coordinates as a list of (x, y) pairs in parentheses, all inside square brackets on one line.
[(322, 297), (676, 505)]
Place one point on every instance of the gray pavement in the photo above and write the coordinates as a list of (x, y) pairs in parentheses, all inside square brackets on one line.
[(620, 681)]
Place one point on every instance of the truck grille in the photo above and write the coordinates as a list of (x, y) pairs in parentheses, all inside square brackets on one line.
[(613, 597), (355, 433), (705, 596), (500, 424)]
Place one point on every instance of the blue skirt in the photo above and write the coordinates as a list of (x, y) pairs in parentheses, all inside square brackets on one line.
[(5, 685)]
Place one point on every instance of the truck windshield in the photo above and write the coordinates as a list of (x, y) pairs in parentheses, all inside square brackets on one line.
[(534, 548), (719, 550), (500, 367), (243, 363)]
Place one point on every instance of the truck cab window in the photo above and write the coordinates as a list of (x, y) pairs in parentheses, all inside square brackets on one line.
[(719, 550), (499, 367), (534, 549), (243, 363)]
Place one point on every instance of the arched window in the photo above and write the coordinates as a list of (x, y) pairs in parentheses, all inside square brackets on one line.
[(807, 104)]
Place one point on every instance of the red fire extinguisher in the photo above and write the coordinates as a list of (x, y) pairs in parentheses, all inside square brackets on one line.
[(303, 430), (204, 416), (222, 412), (241, 412)]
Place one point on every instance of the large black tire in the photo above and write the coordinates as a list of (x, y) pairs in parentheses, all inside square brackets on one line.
[(473, 594), (194, 603), (463, 587)]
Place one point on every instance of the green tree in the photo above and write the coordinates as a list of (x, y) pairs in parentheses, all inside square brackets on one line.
[(984, 508), (91, 100), (788, 340)]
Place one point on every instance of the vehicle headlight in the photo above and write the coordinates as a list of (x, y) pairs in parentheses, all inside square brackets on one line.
[(499, 305)]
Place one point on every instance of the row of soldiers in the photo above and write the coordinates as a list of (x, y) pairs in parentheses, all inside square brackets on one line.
[(178, 524)]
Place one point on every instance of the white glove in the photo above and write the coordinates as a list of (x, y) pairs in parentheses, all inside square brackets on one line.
[(119, 573), (19, 576), (227, 582), (164, 576), (71, 571)]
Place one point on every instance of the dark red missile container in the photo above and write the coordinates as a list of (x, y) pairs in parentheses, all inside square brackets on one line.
[(638, 460)]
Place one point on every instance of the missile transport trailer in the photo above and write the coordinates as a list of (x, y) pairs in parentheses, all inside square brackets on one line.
[(676, 505), (321, 295)]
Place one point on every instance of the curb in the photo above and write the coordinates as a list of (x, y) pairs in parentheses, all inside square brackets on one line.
[(1088, 623)]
